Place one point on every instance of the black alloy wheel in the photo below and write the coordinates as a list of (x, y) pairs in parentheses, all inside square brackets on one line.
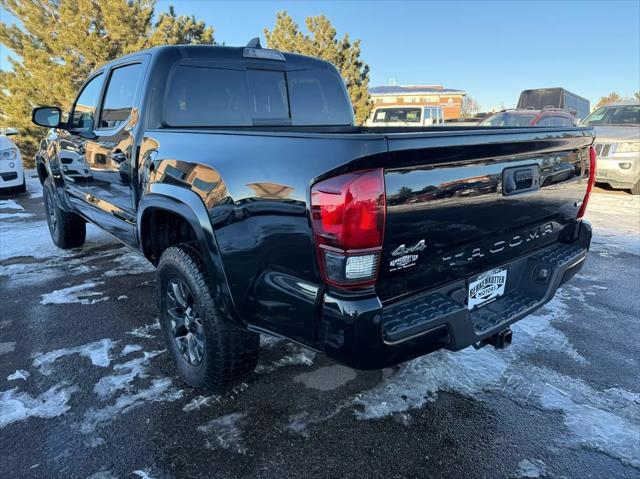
[(186, 323)]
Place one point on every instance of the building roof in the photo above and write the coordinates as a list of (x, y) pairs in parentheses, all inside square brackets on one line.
[(408, 89)]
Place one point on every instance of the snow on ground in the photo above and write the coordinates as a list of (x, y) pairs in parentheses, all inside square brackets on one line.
[(9, 209), (75, 294), (126, 372), (531, 468), (98, 352), (225, 432), (616, 222), (608, 421), (159, 390), (10, 205), (17, 406), (19, 374)]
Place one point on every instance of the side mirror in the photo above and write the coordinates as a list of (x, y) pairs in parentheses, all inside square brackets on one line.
[(48, 116)]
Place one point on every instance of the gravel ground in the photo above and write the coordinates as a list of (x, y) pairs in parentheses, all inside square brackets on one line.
[(87, 389)]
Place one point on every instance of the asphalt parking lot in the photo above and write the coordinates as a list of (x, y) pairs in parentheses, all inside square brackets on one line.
[(87, 390)]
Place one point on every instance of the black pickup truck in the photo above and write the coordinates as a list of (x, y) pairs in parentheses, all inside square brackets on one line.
[(239, 172)]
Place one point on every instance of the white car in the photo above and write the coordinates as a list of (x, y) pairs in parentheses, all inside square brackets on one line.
[(617, 145), (11, 172)]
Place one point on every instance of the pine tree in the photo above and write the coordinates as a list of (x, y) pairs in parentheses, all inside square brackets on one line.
[(322, 42), (59, 42)]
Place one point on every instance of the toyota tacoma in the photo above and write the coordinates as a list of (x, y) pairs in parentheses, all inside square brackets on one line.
[(240, 174)]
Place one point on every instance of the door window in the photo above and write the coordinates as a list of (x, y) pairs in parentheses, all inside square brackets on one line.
[(84, 109), (120, 95)]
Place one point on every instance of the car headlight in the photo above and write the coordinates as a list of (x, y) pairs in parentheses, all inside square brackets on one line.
[(628, 147), (8, 154)]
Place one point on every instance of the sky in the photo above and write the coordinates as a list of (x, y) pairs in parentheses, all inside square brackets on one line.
[(492, 50)]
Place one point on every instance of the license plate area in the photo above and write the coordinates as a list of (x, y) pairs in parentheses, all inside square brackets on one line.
[(486, 287)]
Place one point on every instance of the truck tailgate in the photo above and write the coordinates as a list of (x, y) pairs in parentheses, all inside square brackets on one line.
[(456, 211)]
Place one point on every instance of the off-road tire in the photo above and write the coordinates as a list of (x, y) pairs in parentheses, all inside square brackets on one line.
[(68, 230), (230, 353)]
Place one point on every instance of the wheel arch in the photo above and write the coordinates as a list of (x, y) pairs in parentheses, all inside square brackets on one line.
[(188, 206)]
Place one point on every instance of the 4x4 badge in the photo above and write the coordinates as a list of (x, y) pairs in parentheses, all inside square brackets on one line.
[(402, 249)]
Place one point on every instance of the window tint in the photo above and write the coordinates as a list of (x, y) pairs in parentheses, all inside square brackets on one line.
[(205, 96), (84, 109), (268, 95), (120, 95), (318, 98)]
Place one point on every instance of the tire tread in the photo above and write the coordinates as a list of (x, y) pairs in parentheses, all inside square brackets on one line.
[(231, 352)]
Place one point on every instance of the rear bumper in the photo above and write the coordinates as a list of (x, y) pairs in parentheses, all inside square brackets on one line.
[(362, 333)]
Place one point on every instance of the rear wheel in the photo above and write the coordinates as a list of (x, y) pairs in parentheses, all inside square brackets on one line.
[(635, 190), (210, 351), (68, 230)]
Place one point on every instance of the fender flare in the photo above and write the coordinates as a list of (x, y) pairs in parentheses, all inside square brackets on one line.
[(189, 205)]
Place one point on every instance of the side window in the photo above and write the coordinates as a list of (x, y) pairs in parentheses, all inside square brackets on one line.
[(120, 95), (84, 110)]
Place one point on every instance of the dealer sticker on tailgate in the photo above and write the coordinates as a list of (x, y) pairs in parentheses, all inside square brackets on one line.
[(486, 287)]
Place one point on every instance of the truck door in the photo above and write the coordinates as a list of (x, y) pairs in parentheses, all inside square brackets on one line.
[(72, 144), (110, 153)]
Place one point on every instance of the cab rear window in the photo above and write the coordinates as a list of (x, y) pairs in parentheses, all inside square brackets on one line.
[(216, 97)]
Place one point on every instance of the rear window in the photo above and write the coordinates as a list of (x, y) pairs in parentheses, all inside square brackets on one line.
[(509, 119), (538, 99), (205, 96), (387, 115)]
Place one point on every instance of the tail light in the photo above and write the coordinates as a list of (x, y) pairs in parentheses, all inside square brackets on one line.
[(592, 180), (348, 214)]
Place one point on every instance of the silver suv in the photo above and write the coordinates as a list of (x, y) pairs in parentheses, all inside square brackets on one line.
[(617, 127)]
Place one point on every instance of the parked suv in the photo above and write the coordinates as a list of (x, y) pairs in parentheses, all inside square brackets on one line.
[(546, 117), (617, 144), (11, 172), (239, 172)]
